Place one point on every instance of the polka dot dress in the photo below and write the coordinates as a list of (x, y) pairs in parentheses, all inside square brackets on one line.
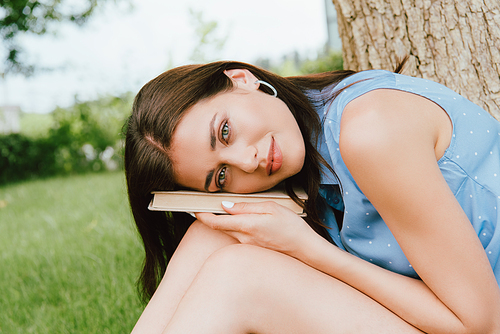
[(470, 165)]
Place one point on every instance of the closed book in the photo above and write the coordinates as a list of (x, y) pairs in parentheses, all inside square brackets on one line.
[(198, 201)]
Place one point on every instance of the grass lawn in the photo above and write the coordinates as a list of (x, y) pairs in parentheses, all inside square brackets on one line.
[(69, 256)]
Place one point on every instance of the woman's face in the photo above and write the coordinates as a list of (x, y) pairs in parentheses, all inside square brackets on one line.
[(239, 141)]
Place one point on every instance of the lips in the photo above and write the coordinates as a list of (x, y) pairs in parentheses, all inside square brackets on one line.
[(274, 158)]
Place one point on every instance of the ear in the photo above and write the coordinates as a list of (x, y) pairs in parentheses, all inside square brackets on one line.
[(242, 78)]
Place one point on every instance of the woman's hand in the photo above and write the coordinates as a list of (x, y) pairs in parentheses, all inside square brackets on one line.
[(264, 224)]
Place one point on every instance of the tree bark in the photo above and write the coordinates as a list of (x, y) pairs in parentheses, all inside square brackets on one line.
[(456, 43)]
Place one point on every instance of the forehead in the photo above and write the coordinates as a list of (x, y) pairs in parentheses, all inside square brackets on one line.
[(190, 149)]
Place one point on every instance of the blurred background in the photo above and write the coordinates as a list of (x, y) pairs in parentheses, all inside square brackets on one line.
[(69, 70)]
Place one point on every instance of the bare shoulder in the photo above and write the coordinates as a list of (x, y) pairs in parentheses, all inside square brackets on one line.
[(388, 120)]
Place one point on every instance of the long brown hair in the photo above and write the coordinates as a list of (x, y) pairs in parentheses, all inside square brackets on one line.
[(158, 108)]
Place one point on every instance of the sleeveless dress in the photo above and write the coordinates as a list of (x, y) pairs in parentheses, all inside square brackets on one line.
[(470, 165)]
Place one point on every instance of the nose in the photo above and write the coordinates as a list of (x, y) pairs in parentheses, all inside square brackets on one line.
[(242, 157)]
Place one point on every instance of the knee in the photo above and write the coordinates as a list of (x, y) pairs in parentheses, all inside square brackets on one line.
[(235, 267), (197, 228), (234, 259), (200, 234)]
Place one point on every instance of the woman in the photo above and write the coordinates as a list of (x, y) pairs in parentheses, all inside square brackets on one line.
[(402, 177)]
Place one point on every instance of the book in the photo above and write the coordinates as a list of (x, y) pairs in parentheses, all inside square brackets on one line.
[(198, 201)]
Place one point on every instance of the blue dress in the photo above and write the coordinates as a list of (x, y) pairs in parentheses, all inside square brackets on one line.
[(470, 165)]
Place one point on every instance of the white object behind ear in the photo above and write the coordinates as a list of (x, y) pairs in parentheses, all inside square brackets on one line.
[(268, 85)]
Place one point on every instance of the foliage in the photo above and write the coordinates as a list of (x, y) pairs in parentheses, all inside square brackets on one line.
[(208, 43), (85, 137), (88, 132), (22, 157), (295, 64), (70, 256), (35, 16), (325, 62), (35, 125)]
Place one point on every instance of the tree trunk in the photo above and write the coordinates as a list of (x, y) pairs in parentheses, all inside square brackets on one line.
[(456, 43)]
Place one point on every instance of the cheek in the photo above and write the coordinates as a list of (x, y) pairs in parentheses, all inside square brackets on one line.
[(245, 183), (254, 120)]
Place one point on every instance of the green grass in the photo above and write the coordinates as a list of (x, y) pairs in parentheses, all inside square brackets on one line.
[(69, 256)]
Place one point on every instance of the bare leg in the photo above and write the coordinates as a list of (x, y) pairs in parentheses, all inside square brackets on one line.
[(197, 245), (247, 289)]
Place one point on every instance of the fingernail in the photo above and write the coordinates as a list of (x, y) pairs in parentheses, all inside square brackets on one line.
[(228, 204)]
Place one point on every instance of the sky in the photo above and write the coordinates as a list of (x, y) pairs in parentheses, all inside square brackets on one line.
[(125, 45)]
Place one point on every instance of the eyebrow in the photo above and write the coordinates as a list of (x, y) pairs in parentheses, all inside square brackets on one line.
[(212, 133), (208, 179)]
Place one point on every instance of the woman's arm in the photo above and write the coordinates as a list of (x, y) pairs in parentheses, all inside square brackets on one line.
[(390, 142), (407, 297)]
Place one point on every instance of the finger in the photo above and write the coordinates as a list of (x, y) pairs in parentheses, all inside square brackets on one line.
[(242, 238), (248, 208)]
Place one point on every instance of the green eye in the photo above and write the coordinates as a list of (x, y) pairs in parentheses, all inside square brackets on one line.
[(225, 132), (221, 178)]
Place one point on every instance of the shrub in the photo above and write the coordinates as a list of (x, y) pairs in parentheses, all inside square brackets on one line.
[(84, 138), (22, 157)]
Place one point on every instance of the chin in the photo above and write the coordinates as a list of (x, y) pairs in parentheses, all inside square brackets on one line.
[(261, 188)]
